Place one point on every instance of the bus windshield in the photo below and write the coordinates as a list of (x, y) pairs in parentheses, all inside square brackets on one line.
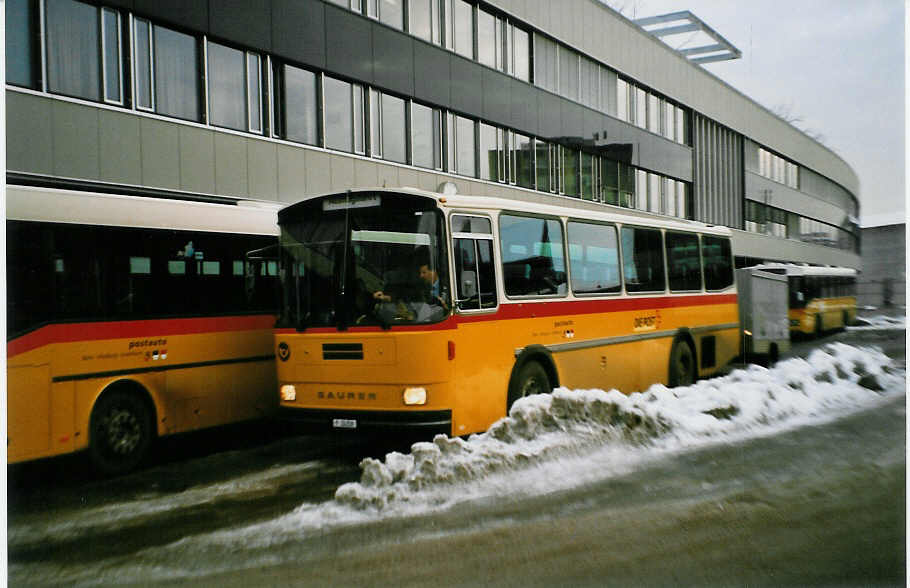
[(363, 259)]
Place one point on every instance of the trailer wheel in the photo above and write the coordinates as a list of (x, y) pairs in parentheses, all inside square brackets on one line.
[(120, 431), (818, 326), (682, 365)]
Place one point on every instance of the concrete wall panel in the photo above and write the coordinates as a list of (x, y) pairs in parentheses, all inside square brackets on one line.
[(231, 172), (29, 135), (160, 154), (197, 160), (75, 141), (262, 163), (120, 149)]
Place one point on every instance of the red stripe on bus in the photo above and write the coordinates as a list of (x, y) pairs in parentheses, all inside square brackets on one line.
[(546, 308), (73, 332)]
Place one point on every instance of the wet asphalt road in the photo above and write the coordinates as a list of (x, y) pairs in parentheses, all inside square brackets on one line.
[(819, 505)]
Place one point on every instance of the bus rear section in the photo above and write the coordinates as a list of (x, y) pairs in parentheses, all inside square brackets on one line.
[(121, 331)]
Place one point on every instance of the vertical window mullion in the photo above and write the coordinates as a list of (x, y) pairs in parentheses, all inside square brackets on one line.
[(206, 91), (42, 16)]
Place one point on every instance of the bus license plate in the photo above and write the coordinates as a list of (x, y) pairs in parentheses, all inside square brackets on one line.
[(344, 423)]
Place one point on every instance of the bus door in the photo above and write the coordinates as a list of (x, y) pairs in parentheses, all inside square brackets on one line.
[(482, 361)]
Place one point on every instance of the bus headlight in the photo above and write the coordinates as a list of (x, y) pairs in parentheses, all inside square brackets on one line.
[(416, 395), (288, 393)]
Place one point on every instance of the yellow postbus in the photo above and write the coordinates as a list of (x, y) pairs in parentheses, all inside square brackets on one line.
[(820, 298), (435, 312), (131, 318)]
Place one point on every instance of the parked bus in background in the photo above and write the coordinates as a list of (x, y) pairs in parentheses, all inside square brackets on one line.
[(821, 298), (436, 312), (131, 318)]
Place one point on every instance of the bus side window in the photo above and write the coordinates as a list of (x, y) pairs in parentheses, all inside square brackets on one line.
[(532, 256), (718, 262), (643, 259)]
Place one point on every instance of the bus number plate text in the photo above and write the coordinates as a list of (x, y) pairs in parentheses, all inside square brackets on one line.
[(344, 423)]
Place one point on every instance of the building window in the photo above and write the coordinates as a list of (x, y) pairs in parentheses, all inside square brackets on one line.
[(254, 91), (390, 12), (487, 37), (339, 114), (570, 170), (296, 105), (623, 111), (73, 41), (21, 49), (424, 20), (653, 113), (641, 108), (522, 160), (426, 136), (111, 49), (489, 153), (590, 177), (462, 28), (589, 83), (568, 73), (545, 64), (521, 53), (142, 64), (176, 74), (464, 146), (227, 91), (392, 132)]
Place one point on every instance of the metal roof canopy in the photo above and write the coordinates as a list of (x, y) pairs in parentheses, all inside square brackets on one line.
[(686, 22)]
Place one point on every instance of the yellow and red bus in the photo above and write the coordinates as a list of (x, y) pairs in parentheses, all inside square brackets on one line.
[(821, 298), (131, 318), (436, 312)]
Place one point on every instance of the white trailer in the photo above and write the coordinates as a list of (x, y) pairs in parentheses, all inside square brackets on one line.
[(763, 310)]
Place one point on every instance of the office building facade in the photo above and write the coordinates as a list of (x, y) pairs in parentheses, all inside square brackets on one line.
[(226, 100)]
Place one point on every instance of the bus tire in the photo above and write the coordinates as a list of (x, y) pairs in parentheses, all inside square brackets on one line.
[(682, 364), (532, 379), (120, 431)]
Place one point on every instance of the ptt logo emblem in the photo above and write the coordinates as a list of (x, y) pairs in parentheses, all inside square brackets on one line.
[(284, 351)]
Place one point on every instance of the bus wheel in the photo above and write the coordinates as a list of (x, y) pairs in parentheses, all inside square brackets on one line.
[(532, 379), (120, 432), (682, 365)]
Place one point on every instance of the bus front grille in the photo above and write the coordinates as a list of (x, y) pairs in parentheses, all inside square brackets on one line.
[(342, 351)]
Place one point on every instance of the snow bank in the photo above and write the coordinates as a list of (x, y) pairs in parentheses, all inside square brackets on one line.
[(880, 322), (568, 423)]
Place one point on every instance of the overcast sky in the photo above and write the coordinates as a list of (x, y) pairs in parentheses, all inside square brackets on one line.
[(836, 64)]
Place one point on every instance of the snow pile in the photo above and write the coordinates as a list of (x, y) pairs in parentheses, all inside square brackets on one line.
[(570, 423), (880, 322)]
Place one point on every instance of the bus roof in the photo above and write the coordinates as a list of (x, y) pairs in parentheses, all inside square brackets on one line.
[(792, 269), (543, 204), (28, 203)]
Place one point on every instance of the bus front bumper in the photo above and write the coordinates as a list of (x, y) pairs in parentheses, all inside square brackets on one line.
[(429, 421)]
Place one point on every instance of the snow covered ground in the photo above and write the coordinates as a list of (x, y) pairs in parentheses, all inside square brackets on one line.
[(548, 443), (879, 322)]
